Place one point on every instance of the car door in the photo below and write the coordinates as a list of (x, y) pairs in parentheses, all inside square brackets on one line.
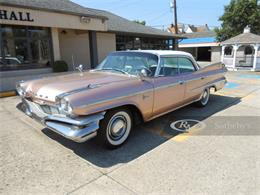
[(193, 79), (168, 86)]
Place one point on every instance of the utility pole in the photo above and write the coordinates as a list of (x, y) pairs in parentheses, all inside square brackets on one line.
[(174, 10)]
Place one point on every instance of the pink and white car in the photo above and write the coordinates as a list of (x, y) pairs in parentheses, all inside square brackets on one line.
[(126, 88)]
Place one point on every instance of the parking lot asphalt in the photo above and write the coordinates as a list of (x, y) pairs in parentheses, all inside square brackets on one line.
[(223, 157)]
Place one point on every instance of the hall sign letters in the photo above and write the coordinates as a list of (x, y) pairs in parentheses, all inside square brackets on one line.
[(17, 16)]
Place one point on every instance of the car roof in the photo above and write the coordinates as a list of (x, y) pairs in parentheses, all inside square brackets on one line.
[(162, 52)]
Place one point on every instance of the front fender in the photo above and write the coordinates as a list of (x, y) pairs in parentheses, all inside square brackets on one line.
[(143, 102)]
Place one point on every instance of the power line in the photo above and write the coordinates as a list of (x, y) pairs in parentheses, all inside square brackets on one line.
[(160, 25), (159, 16), (123, 5), (149, 13)]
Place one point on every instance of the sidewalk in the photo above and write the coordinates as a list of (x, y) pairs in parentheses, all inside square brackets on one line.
[(155, 160)]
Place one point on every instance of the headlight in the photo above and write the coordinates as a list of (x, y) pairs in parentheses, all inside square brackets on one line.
[(64, 106), (20, 90)]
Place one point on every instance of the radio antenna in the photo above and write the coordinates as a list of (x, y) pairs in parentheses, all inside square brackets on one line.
[(73, 64)]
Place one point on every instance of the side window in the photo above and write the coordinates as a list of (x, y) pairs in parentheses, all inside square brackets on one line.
[(185, 65), (152, 64), (169, 66)]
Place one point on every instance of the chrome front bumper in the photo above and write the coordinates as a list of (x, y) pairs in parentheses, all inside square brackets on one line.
[(78, 129)]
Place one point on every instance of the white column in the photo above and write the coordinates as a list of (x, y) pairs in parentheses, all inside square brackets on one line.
[(235, 48), (222, 53), (55, 43), (255, 55)]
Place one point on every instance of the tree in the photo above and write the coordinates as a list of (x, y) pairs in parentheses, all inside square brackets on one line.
[(238, 14), (140, 22)]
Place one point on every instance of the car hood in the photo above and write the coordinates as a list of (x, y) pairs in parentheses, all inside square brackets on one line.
[(49, 87)]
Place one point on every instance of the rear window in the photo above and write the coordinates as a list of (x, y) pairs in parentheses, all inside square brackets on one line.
[(185, 65)]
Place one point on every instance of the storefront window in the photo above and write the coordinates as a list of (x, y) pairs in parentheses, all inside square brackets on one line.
[(1, 48), (25, 48), (129, 43), (145, 43), (135, 43), (40, 52)]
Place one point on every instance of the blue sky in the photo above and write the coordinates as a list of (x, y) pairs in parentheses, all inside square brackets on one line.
[(157, 12)]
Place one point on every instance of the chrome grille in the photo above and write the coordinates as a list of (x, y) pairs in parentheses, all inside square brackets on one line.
[(41, 110), (50, 109)]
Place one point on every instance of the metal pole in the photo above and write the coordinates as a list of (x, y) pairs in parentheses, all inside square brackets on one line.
[(175, 16), (174, 10)]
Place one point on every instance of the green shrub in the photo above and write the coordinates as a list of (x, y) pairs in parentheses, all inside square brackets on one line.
[(60, 66)]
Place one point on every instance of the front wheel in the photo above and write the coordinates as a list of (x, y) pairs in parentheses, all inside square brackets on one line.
[(204, 98), (115, 128)]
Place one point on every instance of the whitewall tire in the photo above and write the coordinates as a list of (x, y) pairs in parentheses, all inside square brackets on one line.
[(115, 128), (204, 98)]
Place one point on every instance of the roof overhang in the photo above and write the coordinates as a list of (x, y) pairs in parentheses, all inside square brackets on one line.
[(53, 10), (245, 43), (148, 35), (213, 44)]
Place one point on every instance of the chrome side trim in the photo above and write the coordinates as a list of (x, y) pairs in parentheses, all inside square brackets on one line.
[(167, 86), (219, 84), (117, 98), (141, 92), (205, 77)]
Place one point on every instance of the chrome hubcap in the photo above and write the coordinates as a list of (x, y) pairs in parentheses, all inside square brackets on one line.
[(205, 94), (205, 97), (117, 127)]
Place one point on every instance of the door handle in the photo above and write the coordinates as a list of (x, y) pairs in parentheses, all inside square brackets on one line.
[(181, 82)]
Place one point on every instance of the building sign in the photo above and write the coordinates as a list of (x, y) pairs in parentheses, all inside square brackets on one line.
[(17, 16)]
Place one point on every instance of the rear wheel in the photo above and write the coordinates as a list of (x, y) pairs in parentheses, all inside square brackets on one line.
[(204, 98), (115, 128)]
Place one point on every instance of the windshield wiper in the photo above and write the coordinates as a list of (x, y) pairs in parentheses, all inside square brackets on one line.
[(115, 69)]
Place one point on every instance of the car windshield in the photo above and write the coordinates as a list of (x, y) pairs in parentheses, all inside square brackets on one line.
[(131, 63)]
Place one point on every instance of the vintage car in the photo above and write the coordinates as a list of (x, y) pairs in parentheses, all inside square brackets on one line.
[(127, 88)]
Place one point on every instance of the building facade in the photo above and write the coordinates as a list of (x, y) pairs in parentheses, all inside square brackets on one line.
[(35, 33), (203, 46), (188, 28)]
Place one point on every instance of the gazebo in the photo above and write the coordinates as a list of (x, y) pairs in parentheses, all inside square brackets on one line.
[(242, 52)]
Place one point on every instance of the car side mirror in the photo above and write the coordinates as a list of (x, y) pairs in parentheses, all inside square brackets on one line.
[(80, 68), (143, 74)]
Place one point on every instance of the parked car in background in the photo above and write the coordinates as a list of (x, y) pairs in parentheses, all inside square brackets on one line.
[(126, 88), (11, 60)]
